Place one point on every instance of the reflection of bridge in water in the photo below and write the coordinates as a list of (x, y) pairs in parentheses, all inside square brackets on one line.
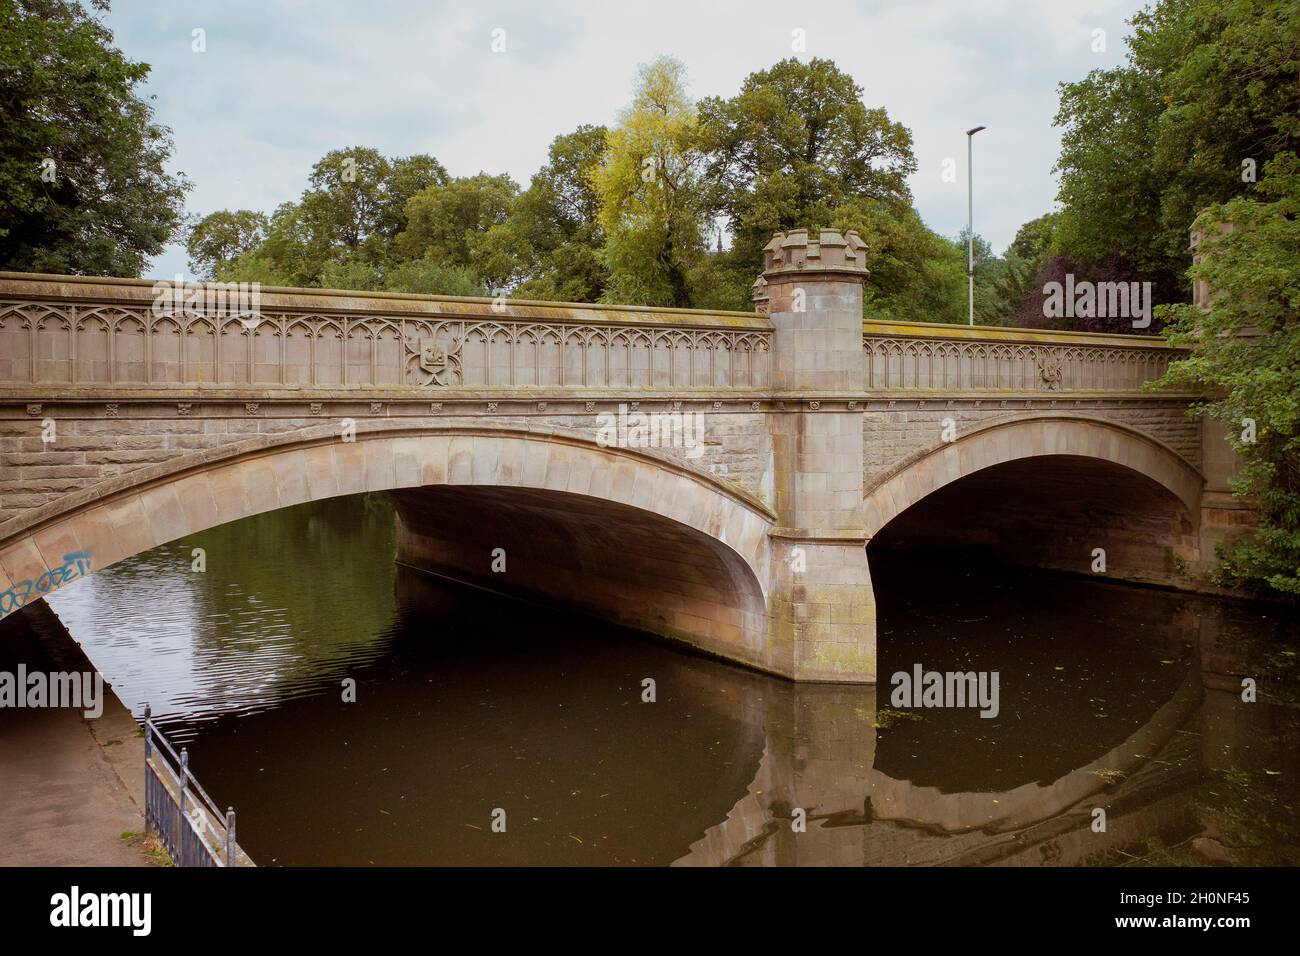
[(820, 747)]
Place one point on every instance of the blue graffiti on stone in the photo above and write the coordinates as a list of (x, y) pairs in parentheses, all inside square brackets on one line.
[(75, 565)]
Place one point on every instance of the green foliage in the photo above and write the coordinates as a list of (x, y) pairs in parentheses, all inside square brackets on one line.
[(340, 209), (916, 274), (218, 239), (1209, 85), (1008, 289), (449, 222), (1033, 240), (343, 232), (1245, 353), (652, 205), (287, 256), (555, 223), (426, 277), (794, 147), (68, 97), (406, 177)]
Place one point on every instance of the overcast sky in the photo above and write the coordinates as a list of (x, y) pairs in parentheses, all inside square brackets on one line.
[(283, 82)]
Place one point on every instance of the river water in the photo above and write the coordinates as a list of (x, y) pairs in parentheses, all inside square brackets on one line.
[(1121, 735)]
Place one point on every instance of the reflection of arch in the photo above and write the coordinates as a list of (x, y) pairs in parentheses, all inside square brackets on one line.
[(1043, 435), (124, 516), (1030, 803), (904, 823)]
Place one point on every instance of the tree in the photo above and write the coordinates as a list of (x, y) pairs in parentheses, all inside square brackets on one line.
[(652, 205), (1055, 268), (407, 176), (287, 256), (342, 206), (218, 239), (1034, 239), (1208, 95), (555, 223), (797, 148), (426, 277), (1245, 355), (342, 232), (449, 222), (794, 147), (83, 184), (916, 274)]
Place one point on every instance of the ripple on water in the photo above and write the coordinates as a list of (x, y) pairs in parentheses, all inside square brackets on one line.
[(248, 632)]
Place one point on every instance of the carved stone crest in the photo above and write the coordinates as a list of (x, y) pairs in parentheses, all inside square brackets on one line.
[(1050, 373), (439, 361)]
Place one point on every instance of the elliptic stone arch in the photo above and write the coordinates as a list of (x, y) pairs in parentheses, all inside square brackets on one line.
[(142, 509), (1011, 440)]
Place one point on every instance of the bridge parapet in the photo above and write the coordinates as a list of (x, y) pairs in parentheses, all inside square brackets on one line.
[(128, 333), (111, 334), (919, 355)]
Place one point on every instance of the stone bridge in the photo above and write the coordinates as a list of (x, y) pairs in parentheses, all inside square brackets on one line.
[(711, 477)]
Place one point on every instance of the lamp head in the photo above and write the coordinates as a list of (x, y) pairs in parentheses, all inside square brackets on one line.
[(972, 132)]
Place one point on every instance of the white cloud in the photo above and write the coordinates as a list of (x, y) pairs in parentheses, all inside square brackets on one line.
[(282, 83)]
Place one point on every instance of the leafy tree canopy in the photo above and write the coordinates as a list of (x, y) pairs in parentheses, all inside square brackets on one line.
[(1245, 354), (794, 146), (1208, 96), (83, 184), (652, 205)]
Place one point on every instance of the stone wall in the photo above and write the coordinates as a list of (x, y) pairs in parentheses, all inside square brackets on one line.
[(93, 442), (69, 330), (895, 430)]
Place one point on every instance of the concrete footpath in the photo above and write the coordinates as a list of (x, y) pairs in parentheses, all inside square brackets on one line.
[(69, 787)]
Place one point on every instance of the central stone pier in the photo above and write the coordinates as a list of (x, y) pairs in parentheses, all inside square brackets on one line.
[(821, 607)]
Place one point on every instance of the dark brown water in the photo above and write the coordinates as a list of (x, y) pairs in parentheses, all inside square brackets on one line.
[(1110, 697)]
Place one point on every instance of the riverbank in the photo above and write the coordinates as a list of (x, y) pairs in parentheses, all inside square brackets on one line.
[(70, 788)]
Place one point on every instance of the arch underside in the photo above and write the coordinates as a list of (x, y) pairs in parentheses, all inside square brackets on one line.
[(1050, 512), (590, 555), (1046, 493), (626, 536)]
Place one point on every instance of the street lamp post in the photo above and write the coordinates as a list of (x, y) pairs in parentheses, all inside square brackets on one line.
[(970, 227)]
